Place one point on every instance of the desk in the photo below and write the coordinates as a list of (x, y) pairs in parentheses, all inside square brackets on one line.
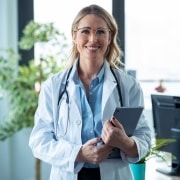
[(152, 174)]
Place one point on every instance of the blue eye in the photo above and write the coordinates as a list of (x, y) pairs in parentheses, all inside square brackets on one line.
[(85, 31), (100, 32)]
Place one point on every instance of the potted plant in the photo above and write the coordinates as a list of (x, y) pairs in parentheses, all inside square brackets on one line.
[(139, 168), (22, 82)]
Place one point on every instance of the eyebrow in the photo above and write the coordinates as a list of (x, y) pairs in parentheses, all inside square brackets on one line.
[(91, 28)]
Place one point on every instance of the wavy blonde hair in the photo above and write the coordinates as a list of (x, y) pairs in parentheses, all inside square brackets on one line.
[(113, 53)]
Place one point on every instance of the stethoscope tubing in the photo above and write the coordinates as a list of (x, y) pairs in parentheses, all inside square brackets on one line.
[(67, 78), (67, 98)]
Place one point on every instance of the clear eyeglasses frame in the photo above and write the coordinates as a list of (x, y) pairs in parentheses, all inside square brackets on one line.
[(85, 32)]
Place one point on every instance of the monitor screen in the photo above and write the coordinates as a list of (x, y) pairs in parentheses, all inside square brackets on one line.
[(166, 121), (166, 114)]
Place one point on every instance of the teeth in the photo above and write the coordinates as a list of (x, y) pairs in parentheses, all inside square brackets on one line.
[(92, 48)]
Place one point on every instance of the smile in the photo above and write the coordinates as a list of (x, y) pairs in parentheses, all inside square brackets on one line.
[(92, 48)]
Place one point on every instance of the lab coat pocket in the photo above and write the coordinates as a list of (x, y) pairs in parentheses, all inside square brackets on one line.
[(115, 169)]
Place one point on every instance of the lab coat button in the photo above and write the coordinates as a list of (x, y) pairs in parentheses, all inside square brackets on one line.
[(78, 122)]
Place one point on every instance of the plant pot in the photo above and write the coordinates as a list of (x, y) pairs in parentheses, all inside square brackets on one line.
[(138, 171)]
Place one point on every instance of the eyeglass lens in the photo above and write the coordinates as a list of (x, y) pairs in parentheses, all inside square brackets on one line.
[(100, 32)]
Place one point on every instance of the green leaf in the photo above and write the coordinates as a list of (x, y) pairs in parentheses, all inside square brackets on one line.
[(154, 150), (18, 81)]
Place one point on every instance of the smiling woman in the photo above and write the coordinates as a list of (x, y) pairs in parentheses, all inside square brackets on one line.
[(90, 95)]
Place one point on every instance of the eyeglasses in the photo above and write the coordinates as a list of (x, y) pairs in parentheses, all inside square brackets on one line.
[(99, 33)]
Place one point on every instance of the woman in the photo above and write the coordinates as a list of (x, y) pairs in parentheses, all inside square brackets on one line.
[(74, 129)]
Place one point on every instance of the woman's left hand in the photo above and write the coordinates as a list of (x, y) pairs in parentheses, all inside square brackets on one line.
[(113, 134)]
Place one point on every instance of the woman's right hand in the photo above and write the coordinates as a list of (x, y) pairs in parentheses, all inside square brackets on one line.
[(94, 151)]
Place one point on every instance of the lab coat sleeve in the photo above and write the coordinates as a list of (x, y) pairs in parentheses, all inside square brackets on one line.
[(142, 134), (42, 141)]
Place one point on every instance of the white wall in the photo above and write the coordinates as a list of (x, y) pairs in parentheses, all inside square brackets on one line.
[(8, 36), (8, 20)]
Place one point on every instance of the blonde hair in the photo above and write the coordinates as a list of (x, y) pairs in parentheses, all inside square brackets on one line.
[(113, 53)]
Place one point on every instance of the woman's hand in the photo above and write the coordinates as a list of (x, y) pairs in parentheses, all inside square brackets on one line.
[(93, 153), (113, 134)]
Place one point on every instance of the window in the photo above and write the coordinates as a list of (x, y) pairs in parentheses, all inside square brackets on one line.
[(152, 44)]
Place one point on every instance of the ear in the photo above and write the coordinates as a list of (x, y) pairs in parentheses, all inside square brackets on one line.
[(109, 40)]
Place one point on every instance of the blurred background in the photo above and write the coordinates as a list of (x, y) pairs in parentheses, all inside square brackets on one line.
[(149, 37)]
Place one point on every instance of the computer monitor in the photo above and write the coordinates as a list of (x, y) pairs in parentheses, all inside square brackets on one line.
[(166, 120)]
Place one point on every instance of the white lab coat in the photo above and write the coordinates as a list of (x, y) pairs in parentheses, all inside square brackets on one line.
[(58, 142)]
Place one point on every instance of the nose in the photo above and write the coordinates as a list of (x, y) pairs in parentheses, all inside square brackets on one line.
[(92, 37)]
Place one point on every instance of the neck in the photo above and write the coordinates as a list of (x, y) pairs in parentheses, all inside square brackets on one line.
[(89, 70), (87, 73)]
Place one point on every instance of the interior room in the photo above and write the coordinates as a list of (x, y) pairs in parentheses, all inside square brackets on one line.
[(150, 40)]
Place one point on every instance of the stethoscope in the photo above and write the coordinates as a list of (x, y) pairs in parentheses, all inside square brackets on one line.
[(65, 89), (67, 97)]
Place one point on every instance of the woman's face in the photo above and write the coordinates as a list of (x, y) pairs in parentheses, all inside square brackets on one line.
[(92, 37)]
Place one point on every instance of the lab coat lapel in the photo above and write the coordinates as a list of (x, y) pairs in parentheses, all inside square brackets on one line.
[(108, 97), (74, 95)]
